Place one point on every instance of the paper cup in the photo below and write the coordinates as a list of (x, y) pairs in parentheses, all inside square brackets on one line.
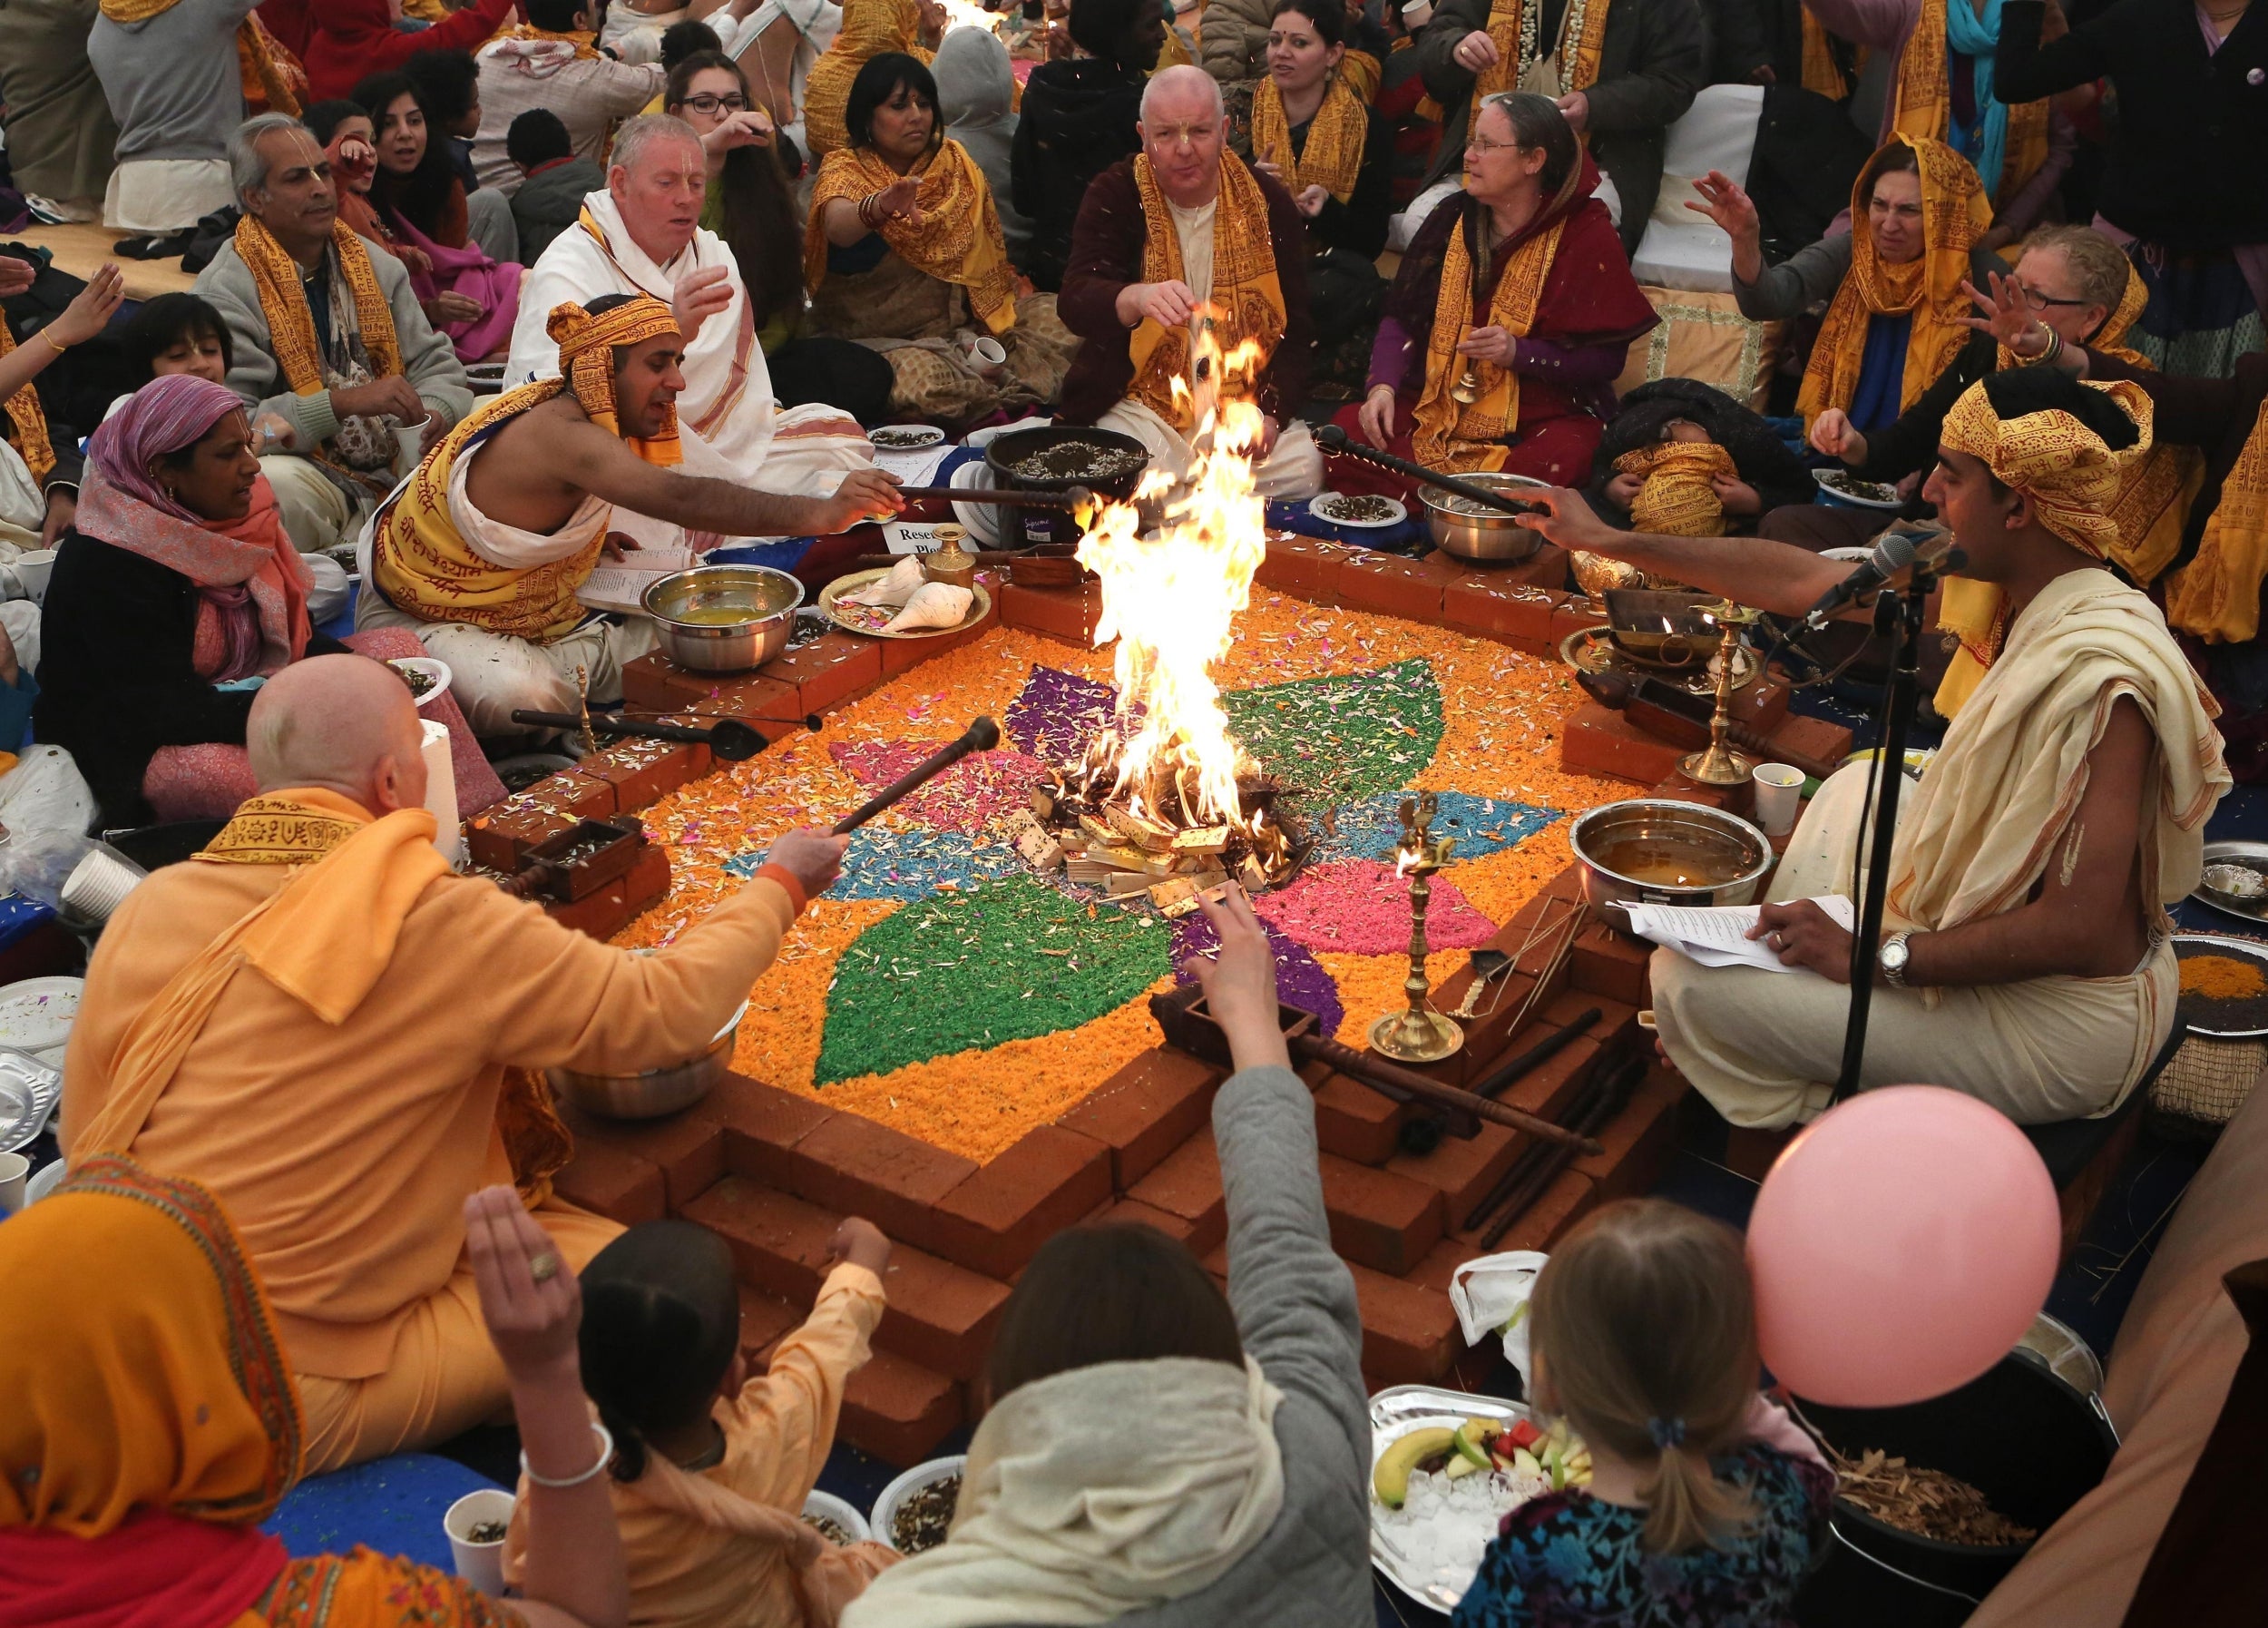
[(32, 571), (98, 884), (480, 1564), (409, 443), (15, 1169), (1417, 15), (1779, 797), (983, 351), (448, 828)]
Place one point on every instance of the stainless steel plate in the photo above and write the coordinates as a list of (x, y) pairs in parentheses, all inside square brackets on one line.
[(2241, 949), (1395, 1412), (28, 1093), (2251, 856)]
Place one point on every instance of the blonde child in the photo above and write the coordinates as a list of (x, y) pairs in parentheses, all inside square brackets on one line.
[(1706, 1504), (711, 1465)]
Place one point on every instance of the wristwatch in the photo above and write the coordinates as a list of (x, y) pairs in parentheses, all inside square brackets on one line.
[(1892, 960)]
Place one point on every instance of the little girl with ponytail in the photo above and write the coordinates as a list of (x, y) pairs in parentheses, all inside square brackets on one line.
[(1707, 1504)]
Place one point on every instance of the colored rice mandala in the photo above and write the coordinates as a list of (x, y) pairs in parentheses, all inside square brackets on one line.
[(945, 988)]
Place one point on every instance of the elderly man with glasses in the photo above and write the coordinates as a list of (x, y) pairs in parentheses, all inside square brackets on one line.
[(1182, 237)]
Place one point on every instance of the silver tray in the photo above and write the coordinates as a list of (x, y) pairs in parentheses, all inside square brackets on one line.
[(28, 1092), (2243, 949), (1395, 1412), (2252, 856)]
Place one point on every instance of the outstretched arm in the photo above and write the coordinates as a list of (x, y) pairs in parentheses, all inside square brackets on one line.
[(582, 454), (1772, 576)]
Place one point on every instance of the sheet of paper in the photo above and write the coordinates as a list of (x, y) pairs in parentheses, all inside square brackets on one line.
[(1717, 936), (914, 466), (905, 538)]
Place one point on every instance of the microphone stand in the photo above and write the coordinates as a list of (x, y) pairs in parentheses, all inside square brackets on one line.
[(1903, 617)]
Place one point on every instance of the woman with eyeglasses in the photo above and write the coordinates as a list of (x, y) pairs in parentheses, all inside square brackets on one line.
[(751, 205), (1511, 316), (1895, 309), (903, 250)]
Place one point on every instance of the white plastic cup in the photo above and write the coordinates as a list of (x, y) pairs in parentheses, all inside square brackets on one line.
[(983, 351), (480, 1564), (409, 445), (32, 572), (1779, 797), (1417, 13), (15, 1169), (98, 884), (448, 826)]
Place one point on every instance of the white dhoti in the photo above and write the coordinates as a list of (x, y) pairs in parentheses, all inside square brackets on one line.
[(810, 450), (1766, 1047), (1293, 470), (493, 674), (166, 194), (23, 505), (316, 514)]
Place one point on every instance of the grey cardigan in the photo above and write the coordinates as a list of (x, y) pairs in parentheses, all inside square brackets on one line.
[(428, 360), (1295, 1311), (1810, 276)]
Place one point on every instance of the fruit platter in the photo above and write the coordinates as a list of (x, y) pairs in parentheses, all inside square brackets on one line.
[(1446, 1469)]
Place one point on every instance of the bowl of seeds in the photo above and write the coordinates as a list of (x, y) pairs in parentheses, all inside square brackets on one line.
[(426, 676), (835, 1519), (916, 1511)]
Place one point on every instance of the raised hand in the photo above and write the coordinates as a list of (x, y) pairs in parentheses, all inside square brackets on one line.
[(864, 495), (1169, 304), (698, 295), (15, 275), (1311, 199), (1476, 52), (2005, 316), (1833, 433), (530, 1298), (1240, 982), (813, 857), (90, 313), (1723, 203), (859, 1241), (900, 200)]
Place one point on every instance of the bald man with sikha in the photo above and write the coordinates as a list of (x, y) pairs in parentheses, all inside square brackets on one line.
[(319, 1021)]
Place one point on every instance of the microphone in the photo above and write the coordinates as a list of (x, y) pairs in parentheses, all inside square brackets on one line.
[(1892, 553)]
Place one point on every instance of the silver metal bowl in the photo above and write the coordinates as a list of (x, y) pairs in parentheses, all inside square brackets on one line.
[(654, 1092), (769, 598), (1727, 855), (1480, 536)]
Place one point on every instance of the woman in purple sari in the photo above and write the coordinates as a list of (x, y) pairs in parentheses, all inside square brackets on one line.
[(418, 201)]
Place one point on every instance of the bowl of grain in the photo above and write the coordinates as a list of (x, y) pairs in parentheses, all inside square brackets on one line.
[(1056, 459), (916, 1511)]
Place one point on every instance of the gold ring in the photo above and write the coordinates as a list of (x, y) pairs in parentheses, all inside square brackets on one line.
[(543, 1267)]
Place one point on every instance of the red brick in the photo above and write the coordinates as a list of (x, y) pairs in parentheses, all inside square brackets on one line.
[(996, 1220), (1611, 962), (1410, 1333), (898, 1410), (1385, 1221), (762, 1126), (613, 1182), (1752, 1153), (772, 708), (1463, 1169), (1441, 1262), (1393, 586), (939, 1315), (1146, 1110), (499, 840), (1186, 1184), (1596, 739), (828, 670), (686, 1147), (1068, 612), (1200, 1239), (857, 1167), (1812, 737), (1638, 1140), (1500, 607), (1358, 1123), (647, 883), (1306, 567), (763, 1319), (654, 683), (1572, 1196), (642, 772), (602, 915)]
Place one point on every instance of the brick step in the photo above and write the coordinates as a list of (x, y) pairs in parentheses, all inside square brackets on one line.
[(941, 1316), (895, 1409)]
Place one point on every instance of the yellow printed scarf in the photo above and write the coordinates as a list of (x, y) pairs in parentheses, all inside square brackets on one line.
[(583, 42), (870, 28), (284, 303), (2217, 596), (958, 240), (1954, 216), (1333, 157), (1821, 73), (1463, 440), (1924, 105), (1573, 58), (1247, 293), (30, 421), (1362, 74), (2076, 485), (1677, 499), (421, 563)]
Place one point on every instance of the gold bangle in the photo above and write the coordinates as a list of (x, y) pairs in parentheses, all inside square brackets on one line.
[(61, 349)]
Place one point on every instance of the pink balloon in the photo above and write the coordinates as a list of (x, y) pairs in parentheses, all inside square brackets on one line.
[(1900, 1247)]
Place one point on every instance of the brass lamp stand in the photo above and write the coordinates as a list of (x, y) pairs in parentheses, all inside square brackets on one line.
[(1418, 1033)]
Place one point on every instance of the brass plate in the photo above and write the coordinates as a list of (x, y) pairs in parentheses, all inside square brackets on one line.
[(850, 618), (1593, 650)]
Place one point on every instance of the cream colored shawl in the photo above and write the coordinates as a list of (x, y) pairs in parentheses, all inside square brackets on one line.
[(1096, 1492), (2004, 788)]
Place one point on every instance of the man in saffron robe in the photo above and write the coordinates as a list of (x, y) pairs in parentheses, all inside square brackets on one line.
[(2027, 958), (320, 1023), (482, 554)]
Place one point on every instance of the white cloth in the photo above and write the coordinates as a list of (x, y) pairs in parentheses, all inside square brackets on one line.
[(590, 94), (165, 194), (1096, 1492), (315, 511), (491, 674), (1292, 471), (815, 23), (1193, 230), (508, 547), (635, 35), (21, 504)]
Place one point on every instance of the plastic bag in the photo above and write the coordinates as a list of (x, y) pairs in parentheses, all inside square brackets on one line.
[(68, 872), (45, 792)]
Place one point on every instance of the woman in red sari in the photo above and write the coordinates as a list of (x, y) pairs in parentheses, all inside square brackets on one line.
[(1537, 347)]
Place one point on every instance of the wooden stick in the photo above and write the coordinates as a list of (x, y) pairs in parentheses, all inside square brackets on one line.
[(1348, 1061), (1015, 500), (981, 735), (1605, 1100), (1332, 439), (1536, 1055)]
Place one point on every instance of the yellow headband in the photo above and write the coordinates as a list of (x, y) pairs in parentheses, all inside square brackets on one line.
[(2071, 477), (586, 357)]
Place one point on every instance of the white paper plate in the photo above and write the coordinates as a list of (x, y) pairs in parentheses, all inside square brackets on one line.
[(906, 1486), (844, 1515), (1320, 509), (1834, 494), (433, 667), (981, 519), (916, 437), (38, 1013)]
